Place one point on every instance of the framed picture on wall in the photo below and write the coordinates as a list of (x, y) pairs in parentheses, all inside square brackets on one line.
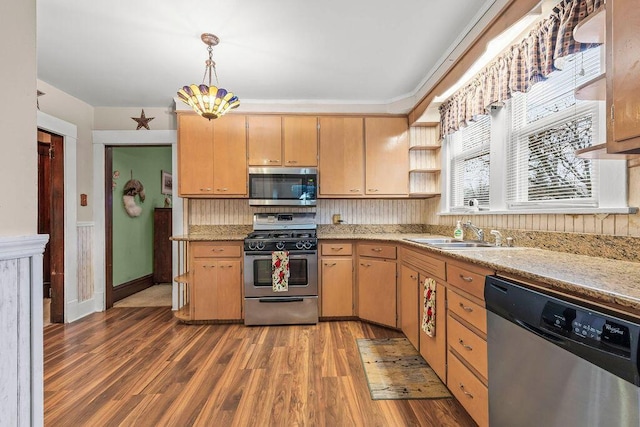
[(167, 183)]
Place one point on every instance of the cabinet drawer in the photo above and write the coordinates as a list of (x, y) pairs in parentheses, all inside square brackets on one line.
[(470, 392), (471, 281), (336, 249), (377, 251), (469, 345), (428, 264), (467, 310), (218, 250)]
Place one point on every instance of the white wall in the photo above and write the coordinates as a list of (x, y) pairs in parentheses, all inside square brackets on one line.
[(116, 118)]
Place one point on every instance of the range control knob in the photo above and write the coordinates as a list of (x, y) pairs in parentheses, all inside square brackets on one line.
[(299, 245), (280, 246), (260, 246), (252, 245), (307, 245)]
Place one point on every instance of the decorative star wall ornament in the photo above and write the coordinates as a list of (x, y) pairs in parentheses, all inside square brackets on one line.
[(143, 121)]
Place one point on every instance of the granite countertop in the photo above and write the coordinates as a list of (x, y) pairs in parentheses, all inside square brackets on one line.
[(601, 280)]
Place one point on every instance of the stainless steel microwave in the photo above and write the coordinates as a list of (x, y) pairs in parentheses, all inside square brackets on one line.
[(273, 186)]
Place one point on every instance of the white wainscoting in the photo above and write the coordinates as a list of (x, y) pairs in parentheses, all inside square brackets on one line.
[(21, 352), (81, 300)]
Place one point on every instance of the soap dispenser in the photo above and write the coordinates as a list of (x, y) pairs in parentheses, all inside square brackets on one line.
[(457, 233)]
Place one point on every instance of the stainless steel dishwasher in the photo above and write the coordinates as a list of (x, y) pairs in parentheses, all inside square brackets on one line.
[(554, 362)]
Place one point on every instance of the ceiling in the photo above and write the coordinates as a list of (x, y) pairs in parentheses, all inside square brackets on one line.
[(138, 53)]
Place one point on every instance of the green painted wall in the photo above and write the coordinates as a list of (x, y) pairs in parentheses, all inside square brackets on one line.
[(133, 236)]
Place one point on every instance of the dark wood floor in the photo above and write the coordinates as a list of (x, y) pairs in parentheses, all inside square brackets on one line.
[(139, 366)]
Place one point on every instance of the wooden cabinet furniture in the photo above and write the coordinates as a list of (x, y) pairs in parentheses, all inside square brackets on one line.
[(377, 283), (623, 82), (467, 338), (387, 156), (336, 279), (300, 140), (265, 140), (341, 156), (409, 309), (161, 245), (212, 156), (211, 288), (283, 141), (420, 266)]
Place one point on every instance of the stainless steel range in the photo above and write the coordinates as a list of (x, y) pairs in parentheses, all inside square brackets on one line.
[(296, 234)]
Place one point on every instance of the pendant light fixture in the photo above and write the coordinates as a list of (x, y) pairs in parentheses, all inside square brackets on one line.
[(209, 101)]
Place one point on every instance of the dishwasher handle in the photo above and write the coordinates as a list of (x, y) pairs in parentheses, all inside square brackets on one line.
[(542, 334)]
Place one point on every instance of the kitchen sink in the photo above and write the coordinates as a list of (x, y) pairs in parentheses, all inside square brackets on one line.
[(451, 244)]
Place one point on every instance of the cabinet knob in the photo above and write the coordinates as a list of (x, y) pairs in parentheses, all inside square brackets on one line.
[(466, 278)]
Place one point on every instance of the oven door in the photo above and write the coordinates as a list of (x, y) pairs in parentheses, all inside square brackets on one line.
[(303, 274)]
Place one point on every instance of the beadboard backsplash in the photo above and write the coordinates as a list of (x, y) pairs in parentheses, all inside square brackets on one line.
[(238, 211)]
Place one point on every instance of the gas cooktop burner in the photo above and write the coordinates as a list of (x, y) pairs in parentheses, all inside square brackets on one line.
[(271, 240)]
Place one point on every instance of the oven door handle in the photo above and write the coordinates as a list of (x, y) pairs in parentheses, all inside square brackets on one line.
[(267, 255), (278, 300)]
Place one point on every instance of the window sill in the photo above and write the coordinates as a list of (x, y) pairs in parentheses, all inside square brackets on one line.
[(551, 211)]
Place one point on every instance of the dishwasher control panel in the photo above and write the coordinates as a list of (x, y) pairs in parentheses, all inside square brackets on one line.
[(587, 327)]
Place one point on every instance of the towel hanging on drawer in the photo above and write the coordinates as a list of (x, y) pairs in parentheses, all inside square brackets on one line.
[(429, 311), (280, 271)]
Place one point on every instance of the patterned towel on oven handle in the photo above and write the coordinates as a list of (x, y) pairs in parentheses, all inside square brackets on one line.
[(280, 271), (429, 311)]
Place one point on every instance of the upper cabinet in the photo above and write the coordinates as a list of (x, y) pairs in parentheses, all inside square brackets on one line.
[(300, 140), (212, 156), (283, 141), (341, 156), (623, 77), (387, 156), (265, 140)]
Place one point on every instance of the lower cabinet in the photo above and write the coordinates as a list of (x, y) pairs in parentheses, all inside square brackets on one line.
[(434, 349), (377, 283), (409, 310), (336, 279)]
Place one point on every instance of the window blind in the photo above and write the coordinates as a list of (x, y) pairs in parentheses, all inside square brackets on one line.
[(548, 124), (469, 163)]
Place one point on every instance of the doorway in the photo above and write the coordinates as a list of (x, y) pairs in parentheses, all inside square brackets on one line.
[(51, 219)]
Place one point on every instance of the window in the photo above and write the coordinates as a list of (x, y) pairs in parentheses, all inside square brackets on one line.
[(470, 164), (526, 149)]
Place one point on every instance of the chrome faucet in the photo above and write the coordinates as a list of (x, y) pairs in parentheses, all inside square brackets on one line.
[(498, 236), (475, 229)]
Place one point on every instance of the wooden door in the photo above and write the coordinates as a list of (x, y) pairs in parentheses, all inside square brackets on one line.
[(44, 206), (230, 156), (341, 156), (204, 297), (623, 82), (51, 204), (377, 291), (337, 287), (409, 318), (387, 156), (300, 139), (434, 349), (162, 245), (195, 155), (228, 290), (265, 140)]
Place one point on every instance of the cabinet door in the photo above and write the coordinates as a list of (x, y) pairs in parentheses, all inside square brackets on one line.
[(337, 286), (387, 156), (195, 155), (204, 298), (341, 156), (300, 138), (434, 349), (230, 157), (623, 83), (409, 317), (377, 291), (265, 140), (228, 290)]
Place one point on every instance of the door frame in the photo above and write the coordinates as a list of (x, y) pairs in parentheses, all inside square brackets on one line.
[(69, 133), (127, 138)]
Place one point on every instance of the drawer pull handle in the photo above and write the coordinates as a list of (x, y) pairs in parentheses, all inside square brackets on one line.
[(466, 346), (413, 277), (292, 161), (466, 308), (465, 391), (355, 190), (336, 248), (376, 249), (365, 265), (206, 189), (329, 265), (466, 278), (373, 190), (216, 249), (274, 161), (222, 189)]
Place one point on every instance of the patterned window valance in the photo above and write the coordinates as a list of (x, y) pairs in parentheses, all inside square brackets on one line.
[(520, 67)]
